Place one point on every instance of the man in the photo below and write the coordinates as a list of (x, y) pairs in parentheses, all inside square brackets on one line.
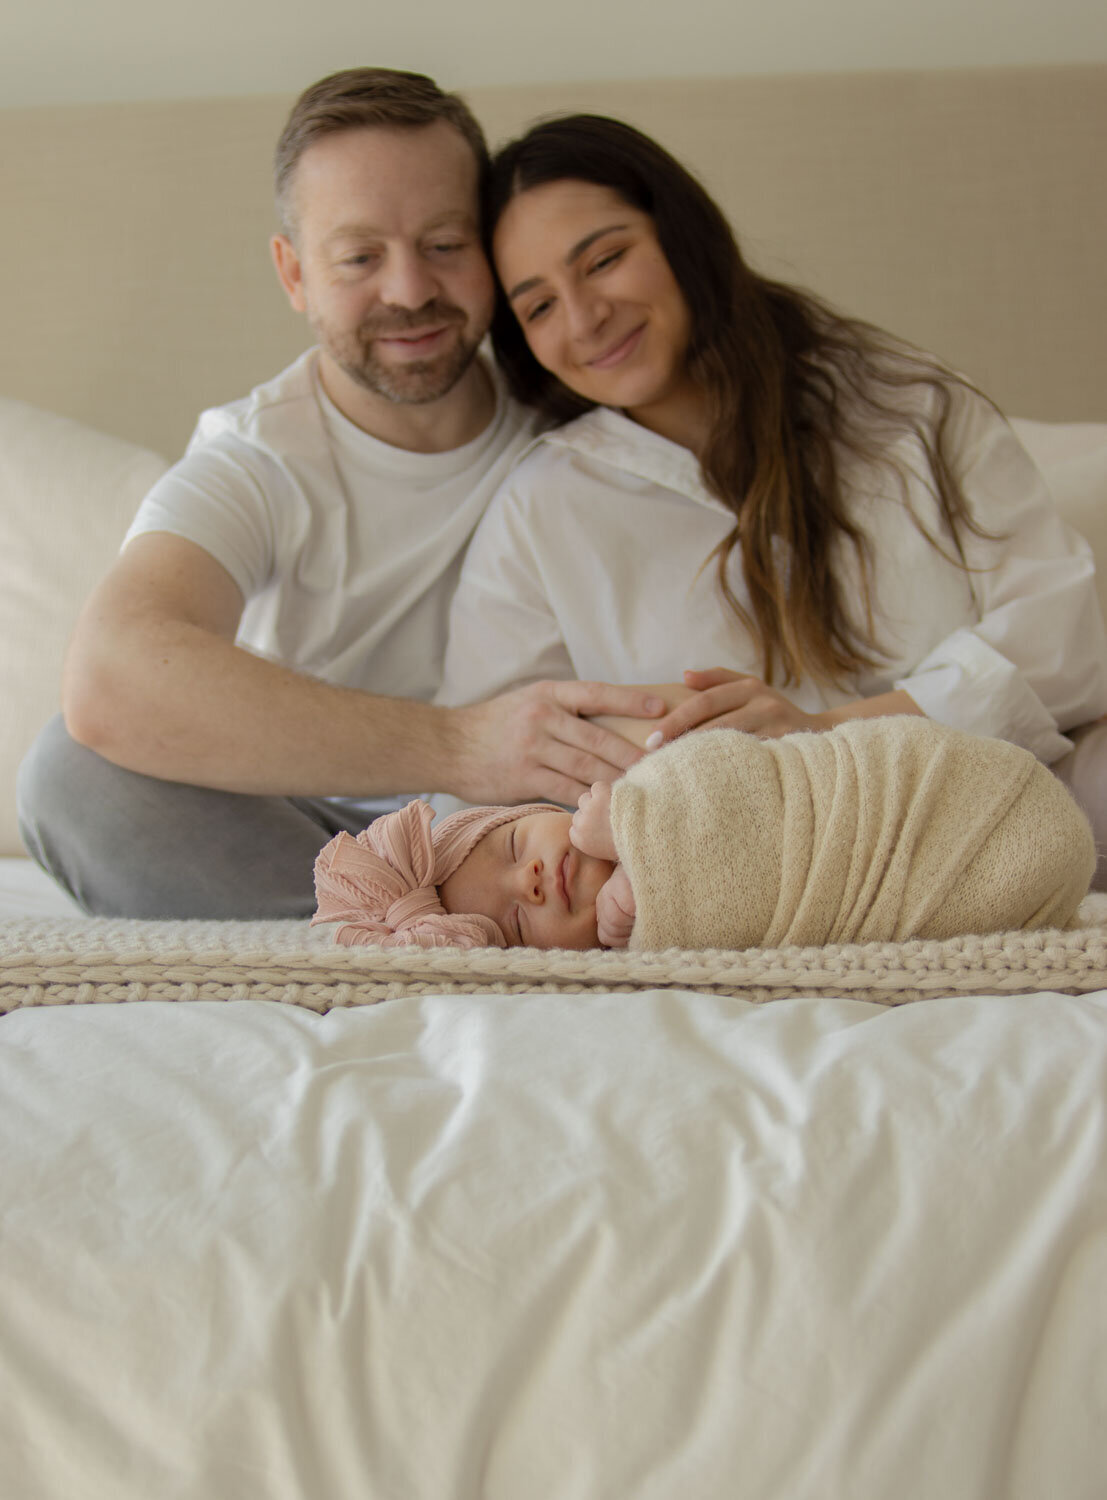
[(273, 630)]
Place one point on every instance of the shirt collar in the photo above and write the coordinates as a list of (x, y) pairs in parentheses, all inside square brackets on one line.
[(609, 437)]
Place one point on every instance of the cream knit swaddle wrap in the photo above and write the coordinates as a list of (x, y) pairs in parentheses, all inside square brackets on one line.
[(877, 831)]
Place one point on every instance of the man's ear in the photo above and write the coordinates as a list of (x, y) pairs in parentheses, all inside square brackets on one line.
[(289, 270)]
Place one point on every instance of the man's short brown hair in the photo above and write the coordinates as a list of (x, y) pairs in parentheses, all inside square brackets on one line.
[(360, 98)]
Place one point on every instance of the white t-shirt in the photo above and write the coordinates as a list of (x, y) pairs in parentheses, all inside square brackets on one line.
[(347, 550), (591, 562)]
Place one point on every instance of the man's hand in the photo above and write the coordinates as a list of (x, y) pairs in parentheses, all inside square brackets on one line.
[(615, 910), (590, 830), (535, 743)]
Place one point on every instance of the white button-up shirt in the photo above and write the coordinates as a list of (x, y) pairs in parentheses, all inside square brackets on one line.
[(592, 562)]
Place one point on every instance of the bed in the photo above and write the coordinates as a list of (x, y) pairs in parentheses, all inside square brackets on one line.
[(280, 1219)]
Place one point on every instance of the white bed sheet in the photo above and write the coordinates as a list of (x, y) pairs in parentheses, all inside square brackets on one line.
[(27, 891), (569, 1247)]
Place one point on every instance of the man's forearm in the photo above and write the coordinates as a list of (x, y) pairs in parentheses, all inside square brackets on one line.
[(173, 697), (186, 705)]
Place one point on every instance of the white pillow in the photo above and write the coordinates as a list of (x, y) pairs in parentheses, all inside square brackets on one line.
[(1073, 458), (67, 496)]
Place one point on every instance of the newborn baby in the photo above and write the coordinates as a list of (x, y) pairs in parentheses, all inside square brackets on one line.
[(879, 830), (502, 876)]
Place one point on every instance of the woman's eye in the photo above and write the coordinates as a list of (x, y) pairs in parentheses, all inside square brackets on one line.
[(607, 260), (537, 310)]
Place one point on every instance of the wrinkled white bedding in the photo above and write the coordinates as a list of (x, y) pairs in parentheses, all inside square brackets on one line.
[(26, 891), (561, 1247)]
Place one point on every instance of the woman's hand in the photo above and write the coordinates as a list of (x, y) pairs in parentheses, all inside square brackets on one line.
[(615, 910), (731, 700)]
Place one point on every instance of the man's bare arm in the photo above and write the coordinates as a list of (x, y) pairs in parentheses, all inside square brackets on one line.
[(155, 682)]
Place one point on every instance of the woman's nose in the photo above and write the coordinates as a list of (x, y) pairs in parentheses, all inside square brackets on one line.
[(585, 313)]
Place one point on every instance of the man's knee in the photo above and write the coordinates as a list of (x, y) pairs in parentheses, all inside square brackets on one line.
[(125, 844), (73, 811), (53, 784)]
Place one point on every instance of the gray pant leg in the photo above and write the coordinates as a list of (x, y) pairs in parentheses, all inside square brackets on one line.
[(1084, 772), (127, 845)]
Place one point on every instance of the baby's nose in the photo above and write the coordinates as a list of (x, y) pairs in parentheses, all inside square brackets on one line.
[(532, 882)]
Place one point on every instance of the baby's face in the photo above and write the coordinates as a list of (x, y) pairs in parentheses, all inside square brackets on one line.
[(532, 882)]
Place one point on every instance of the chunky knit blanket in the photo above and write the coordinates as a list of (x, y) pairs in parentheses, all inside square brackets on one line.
[(67, 961), (881, 830)]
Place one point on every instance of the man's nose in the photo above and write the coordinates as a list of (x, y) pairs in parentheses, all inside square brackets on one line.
[(407, 280)]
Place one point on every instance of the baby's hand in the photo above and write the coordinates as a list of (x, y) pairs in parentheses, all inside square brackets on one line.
[(590, 829), (615, 910)]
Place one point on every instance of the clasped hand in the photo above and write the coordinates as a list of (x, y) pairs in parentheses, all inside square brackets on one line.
[(537, 742), (733, 700)]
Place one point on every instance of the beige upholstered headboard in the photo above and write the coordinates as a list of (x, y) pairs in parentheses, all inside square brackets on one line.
[(965, 210)]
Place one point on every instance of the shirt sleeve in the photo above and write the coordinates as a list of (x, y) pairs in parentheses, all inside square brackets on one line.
[(502, 631), (218, 497), (1035, 661)]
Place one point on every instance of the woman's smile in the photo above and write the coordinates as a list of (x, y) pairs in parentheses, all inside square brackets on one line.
[(618, 351)]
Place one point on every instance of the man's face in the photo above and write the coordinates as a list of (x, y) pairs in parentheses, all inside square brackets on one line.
[(386, 259)]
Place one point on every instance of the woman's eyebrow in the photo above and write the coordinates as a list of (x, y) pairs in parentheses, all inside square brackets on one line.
[(574, 254)]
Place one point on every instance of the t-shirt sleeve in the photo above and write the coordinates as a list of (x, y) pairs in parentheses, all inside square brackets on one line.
[(220, 497), (1035, 661)]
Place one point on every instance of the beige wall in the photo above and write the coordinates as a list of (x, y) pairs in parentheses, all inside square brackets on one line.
[(965, 210), (77, 51)]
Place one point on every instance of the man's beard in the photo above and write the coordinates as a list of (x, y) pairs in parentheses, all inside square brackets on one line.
[(414, 382)]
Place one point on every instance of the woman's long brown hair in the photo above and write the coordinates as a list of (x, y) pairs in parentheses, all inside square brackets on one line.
[(792, 388)]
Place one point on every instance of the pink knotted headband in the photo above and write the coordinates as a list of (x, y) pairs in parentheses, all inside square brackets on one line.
[(382, 886)]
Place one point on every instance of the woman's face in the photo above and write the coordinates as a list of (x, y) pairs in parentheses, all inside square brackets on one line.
[(597, 301)]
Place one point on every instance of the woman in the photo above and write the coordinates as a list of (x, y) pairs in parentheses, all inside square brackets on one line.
[(739, 474)]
